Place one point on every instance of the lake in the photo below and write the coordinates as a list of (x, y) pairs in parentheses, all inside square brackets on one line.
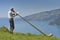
[(23, 27)]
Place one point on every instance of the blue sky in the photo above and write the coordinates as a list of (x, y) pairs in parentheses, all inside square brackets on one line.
[(28, 7)]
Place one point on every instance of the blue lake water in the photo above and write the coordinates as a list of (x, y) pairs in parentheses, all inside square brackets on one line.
[(23, 27)]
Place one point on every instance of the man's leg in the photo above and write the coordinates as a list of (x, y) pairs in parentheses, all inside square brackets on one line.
[(11, 25)]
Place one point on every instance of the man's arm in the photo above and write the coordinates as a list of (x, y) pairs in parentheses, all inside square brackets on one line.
[(14, 14)]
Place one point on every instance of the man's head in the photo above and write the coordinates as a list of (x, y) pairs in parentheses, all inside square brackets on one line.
[(12, 9)]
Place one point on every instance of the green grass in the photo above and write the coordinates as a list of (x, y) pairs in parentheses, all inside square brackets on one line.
[(5, 35)]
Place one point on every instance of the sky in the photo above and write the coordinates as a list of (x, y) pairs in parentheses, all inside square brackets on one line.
[(27, 7)]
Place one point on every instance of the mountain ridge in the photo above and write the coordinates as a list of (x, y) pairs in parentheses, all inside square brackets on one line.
[(46, 15)]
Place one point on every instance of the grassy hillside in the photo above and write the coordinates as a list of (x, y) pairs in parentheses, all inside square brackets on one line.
[(5, 35)]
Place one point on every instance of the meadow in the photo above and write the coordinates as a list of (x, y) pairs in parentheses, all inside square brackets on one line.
[(5, 35)]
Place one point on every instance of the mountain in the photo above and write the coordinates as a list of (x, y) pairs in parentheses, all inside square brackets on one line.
[(53, 16), (55, 22), (46, 15)]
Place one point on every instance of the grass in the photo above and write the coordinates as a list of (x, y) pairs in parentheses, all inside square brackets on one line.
[(5, 35)]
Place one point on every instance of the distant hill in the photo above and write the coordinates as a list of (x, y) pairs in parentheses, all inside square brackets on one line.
[(46, 15), (52, 15), (55, 22)]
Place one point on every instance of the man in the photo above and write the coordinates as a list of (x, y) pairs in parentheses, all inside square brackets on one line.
[(11, 15)]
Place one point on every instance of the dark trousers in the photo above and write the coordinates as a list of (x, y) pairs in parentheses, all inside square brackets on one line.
[(11, 25)]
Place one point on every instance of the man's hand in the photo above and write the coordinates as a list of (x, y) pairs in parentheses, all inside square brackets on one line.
[(16, 14)]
